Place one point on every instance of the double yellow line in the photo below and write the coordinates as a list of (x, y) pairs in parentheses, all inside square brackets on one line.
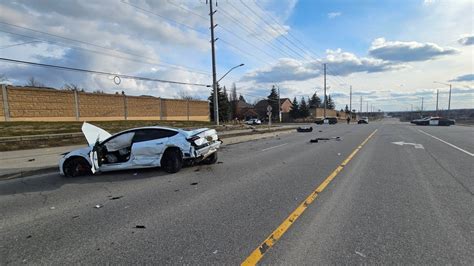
[(260, 251)]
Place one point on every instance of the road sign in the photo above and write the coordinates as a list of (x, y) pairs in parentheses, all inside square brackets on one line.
[(416, 145), (269, 113), (269, 108)]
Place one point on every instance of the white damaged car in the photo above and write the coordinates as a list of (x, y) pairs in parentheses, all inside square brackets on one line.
[(144, 147)]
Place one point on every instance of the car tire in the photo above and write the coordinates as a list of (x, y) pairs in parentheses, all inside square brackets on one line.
[(76, 166), (172, 161), (212, 159)]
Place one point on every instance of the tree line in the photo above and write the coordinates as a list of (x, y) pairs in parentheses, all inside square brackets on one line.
[(299, 109)]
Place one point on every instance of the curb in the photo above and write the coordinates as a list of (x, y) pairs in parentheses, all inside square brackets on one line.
[(49, 169)]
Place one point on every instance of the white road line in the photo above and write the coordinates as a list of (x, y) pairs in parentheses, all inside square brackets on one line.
[(454, 146), (274, 147)]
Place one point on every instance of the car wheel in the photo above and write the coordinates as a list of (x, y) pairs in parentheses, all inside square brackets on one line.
[(212, 159), (76, 166), (172, 161)]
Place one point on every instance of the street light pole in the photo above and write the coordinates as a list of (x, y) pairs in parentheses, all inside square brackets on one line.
[(279, 104), (216, 98), (325, 96)]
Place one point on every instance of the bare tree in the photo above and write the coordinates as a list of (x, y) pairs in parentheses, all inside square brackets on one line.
[(184, 95), (72, 87), (32, 82)]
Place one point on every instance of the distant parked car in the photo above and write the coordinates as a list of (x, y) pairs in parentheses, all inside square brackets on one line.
[(363, 120), (434, 121), (144, 147), (327, 120), (253, 121)]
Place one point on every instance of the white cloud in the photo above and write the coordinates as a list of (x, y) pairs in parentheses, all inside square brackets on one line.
[(467, 77), (466, 40), (342, 64), (332, 15), (399, 51)]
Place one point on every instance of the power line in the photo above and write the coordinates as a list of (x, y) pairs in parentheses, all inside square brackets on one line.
[(120, 76), (250, 56), (278, 40), (256, 35), (104, 53), (297, 40), (163, 17)]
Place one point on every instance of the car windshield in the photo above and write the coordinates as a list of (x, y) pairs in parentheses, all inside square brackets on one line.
[(236, 132)]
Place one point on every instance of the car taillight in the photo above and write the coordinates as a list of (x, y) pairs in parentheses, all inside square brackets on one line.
[(193, 138)]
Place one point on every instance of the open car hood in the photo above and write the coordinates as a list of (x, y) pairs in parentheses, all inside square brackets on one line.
[(94, 134)]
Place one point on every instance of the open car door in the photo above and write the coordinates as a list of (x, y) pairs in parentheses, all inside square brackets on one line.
[(94, 135), (94, 157)]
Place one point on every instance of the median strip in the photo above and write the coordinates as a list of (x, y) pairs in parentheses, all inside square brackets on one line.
[(258, 253)]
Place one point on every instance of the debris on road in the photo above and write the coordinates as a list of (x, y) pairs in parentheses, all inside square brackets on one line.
[(176, 190), (140, 226), (219, 162), (28, 236), (75, 216), (52, 208), (197, 170), (316, 140), (135, 173), (116, 198), (194, 183), (98, 206), (361, 254), (215, 251), (31, 160), (304, 129), (338, 154)]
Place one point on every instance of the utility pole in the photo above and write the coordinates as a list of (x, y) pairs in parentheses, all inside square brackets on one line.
[(350, 102), (214, 77), (421, 106), (360, 109), (449, 102), (325, 96), (367, 108), (437, 98), (279, 104)]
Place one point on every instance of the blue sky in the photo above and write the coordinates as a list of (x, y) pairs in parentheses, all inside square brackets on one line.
[(389, 51)]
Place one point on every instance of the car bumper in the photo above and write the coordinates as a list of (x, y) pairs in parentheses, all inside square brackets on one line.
[(206, 151)]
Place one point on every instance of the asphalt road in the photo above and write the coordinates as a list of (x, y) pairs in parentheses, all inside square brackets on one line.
[(390, 204)]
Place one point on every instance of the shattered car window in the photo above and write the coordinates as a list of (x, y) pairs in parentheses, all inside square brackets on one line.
[(120, 142)]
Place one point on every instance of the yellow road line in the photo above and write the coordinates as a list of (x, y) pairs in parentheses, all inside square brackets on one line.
[(260, 251)]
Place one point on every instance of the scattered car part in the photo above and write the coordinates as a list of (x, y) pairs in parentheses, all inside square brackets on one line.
[(304, 129)]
